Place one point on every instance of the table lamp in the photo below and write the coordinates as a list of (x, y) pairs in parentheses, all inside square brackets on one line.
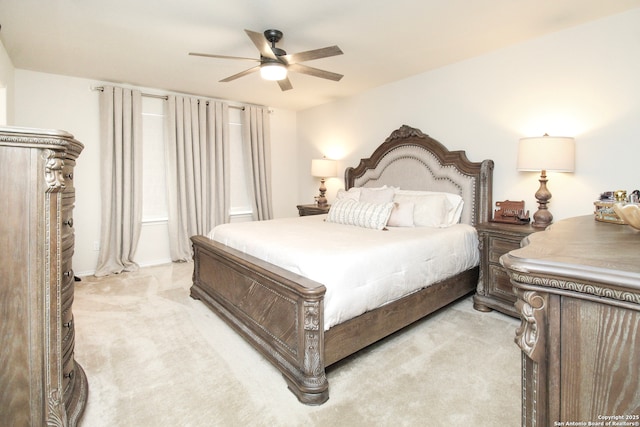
[(323, 168), (545, 153)]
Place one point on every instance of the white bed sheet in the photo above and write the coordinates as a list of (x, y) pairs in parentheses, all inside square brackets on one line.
[(361, 268)]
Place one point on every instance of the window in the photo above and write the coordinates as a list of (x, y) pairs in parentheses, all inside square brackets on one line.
[(154, 198), (240, 201), (154, 193)]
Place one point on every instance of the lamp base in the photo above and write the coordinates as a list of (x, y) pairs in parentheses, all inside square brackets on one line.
[(542, 218), (321, 200)]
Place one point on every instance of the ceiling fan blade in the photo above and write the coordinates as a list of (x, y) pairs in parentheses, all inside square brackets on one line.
[(241, 74), (324, 52), (261, 43), (209, 55), (285, 84), (304, 69)]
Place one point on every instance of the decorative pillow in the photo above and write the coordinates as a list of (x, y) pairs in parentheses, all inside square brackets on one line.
[(377, 195), (353, 193), (429, 210), (455, 200), (401, 215), (367, 215)]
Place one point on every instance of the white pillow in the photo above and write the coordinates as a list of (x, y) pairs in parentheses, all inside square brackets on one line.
[(431, 210), (401, 215), (456, 201), (353, 193), (367, 215), (377, 195)]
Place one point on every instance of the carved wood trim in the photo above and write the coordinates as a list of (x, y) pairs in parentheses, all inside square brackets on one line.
[(574, 286), (53, 170), (64, 141), (531, 306), (56, 414)]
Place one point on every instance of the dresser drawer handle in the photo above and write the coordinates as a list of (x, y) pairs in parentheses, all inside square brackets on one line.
[(69, 222), (69, 375), (68, 324), (68, 273)]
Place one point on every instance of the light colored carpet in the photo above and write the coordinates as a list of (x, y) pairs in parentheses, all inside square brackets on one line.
[(155, 357)]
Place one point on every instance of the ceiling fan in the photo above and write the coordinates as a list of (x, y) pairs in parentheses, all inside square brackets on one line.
[(274, 62)]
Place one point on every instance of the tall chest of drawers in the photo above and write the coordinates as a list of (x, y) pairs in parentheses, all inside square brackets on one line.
[(40, 381)]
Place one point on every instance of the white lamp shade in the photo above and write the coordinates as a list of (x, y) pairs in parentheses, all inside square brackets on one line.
[(549, 153), (323, 168), (273, 71)]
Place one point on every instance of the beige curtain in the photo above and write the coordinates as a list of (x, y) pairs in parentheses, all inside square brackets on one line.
[(197, 170), (256, 137), (121, 179)]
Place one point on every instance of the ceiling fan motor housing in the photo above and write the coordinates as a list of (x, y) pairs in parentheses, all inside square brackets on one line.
[(273, 36)]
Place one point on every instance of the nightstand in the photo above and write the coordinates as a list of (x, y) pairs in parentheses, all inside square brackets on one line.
[(304, 210), (494, 291)]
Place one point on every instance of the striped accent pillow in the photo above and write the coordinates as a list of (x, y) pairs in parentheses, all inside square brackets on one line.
[(360, 214)]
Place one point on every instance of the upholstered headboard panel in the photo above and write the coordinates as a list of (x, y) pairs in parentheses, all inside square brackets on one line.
[(411, 160)]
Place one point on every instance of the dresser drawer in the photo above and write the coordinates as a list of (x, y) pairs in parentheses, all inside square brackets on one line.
[(66, 270), (68, 375), (68, 337), (68, 196), (67, 289), (67, 242), (67, 298), (66, 215), (67, 174)]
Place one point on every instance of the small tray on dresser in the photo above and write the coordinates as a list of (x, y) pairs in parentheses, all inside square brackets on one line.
[(604, 212)]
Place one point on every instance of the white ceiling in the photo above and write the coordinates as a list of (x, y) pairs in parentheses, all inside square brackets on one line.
[(146, 42)]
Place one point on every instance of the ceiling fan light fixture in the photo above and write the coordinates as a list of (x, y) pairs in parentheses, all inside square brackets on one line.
[(273, 71)]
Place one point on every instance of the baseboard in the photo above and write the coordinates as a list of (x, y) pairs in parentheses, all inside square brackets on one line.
[(141, 264)]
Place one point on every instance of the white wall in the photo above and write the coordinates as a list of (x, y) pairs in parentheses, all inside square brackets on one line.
[(59, 102), (582, 82), (7, 73), (284, 158)]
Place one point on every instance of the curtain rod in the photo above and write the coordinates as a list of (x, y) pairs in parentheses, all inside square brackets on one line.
[(165, 97)]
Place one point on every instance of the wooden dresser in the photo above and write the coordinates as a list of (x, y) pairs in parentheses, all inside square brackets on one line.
[(578, 289), (40, 382)]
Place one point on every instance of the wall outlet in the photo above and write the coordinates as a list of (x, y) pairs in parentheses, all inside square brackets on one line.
[(96, 245)]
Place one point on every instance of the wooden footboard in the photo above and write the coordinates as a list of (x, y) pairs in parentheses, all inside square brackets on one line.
[(278, 312)]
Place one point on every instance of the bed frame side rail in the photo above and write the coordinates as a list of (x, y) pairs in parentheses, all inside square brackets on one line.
[(347, 338)]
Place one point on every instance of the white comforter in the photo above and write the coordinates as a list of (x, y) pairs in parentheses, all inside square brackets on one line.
[(361, 268)]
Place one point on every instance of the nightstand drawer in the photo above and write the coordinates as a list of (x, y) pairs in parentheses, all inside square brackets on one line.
[(499, 284), (499, 247)]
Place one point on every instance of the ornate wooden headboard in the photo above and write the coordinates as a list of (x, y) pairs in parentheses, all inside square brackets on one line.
[(411, 160)]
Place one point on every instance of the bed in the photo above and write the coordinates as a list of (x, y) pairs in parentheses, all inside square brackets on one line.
[(282, 313)]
